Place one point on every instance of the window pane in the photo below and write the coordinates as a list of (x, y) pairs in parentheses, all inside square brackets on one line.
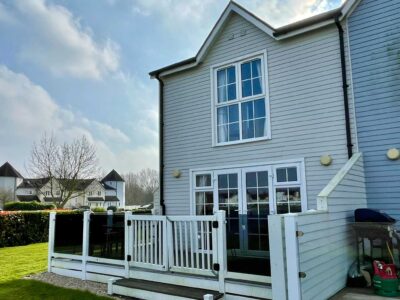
[(282, 208), (259, 108), (209, 197), (295, 207), (222, 94), (247, 110), (234, 132), (221, 77), (292, 174), (222, 115), (246, 72), (222, 133), (251, 179), (294, 194), (233, 181), (248, 129), (263, 179), (233, 113), (203, 180), (233, 196), (281, 175), (257, 86), (282, 195), (260, 127), (232, 92), (256, 68), (251, 195), (246, 88), (223, 196), (223, 181), (209, 210), (263, 194), (231, 75), (199, 210), (200, 198)]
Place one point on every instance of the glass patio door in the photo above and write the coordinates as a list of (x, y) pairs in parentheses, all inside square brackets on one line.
[(244, 195)]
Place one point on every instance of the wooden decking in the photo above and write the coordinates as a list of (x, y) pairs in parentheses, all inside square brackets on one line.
[(155, 288)]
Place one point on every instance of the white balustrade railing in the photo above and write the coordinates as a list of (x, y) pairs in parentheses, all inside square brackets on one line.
[(193, 244), (187, 244), (147, 239)]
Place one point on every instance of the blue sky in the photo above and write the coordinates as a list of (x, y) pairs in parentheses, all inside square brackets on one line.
[(77, 67)]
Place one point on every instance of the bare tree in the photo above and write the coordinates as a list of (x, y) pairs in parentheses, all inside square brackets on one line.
[(140, 186), (64, 165)]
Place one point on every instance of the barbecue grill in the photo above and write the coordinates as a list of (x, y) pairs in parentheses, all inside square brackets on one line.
[(379, 229)]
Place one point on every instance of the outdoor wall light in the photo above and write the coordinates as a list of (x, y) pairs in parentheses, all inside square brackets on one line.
[(393, 154), (176, 173), (326, 160)]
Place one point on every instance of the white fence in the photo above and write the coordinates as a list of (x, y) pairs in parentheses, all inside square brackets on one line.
[(182, 244)]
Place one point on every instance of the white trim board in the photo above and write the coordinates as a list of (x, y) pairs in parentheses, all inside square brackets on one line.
[(322, 197)]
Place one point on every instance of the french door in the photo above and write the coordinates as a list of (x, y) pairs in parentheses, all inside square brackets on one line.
[(245, 196), (249, 195)]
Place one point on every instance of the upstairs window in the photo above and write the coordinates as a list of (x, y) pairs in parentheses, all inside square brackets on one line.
[(241, 103)]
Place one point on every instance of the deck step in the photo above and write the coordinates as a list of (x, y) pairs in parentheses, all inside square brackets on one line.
[(150, 290)]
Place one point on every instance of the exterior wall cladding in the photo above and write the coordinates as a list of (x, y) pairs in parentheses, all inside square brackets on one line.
[(306, 104), (374, 33)]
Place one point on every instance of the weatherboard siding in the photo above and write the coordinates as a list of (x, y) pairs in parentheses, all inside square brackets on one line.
[(326, 250), (374, 31), (306, 102)]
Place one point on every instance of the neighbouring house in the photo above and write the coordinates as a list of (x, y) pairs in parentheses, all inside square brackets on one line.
[(110, 191), (262, 136), (10, 178), (374, 35)]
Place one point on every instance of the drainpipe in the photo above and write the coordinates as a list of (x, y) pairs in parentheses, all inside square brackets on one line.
[(345, 86), (161, 142)]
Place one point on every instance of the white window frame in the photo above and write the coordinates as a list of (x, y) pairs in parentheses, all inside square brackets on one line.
[(300, 183), (195, 189), (215, 170), (239, 99)]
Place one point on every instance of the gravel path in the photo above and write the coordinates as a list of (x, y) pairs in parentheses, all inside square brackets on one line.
[(74, 283)]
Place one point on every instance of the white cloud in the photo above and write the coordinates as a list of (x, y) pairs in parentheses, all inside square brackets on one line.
[(59, 43), (282, 12), (27, 111)]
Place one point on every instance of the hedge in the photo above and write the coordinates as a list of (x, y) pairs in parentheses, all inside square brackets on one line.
[(12, 206), (23, 228)]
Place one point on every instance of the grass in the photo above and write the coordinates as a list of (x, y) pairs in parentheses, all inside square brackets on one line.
[(17, 262)]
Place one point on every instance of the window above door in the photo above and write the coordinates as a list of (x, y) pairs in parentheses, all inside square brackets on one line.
[(240, 101)]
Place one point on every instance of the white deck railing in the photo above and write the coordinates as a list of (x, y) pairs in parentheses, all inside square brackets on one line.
[(185, 244)]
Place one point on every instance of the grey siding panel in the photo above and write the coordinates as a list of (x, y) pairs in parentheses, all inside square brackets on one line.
[(374, 31), (326, 250), (306, 101)]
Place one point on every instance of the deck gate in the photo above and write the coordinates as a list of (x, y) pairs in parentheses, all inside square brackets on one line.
[(187, 244)]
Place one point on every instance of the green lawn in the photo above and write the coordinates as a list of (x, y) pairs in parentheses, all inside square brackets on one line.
[(17, 262)]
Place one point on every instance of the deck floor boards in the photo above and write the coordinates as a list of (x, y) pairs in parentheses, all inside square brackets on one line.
[(168, 289)]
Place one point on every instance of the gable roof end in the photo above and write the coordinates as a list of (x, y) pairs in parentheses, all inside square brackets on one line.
[(7, 170), (276, 33), (113, 176)]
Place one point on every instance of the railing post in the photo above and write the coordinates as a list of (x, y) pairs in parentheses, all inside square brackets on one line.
[(52, 229), (292, 258), (165, 239), (277, 256), (169, 246), (222, 260), (85, 242), (128, 243)]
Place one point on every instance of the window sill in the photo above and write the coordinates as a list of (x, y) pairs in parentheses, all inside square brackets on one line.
[(242, 142)]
